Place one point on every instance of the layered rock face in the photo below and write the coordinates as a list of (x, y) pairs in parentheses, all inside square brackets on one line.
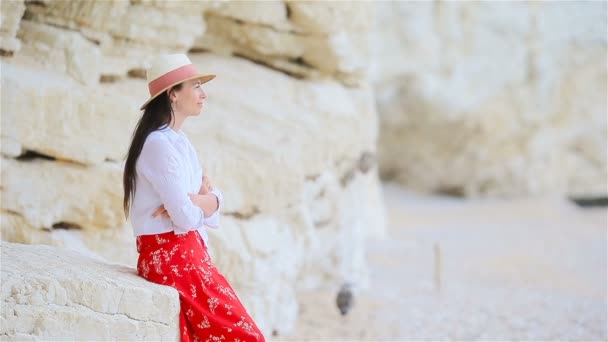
[(50, 294), (493, 99), (10, 16), (294, 157), (302, 38)]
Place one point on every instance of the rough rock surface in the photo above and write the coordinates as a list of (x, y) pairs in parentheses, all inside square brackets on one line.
[(493, 98), (53, 294), (295, 158), (329, 39), (10, 16)]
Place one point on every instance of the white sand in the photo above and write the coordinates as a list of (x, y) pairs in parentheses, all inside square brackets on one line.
[(531, 269)]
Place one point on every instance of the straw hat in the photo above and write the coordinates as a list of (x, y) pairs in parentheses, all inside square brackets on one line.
[(169, 70)]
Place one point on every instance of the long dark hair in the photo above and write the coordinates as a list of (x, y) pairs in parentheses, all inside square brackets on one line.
[(157, 114)]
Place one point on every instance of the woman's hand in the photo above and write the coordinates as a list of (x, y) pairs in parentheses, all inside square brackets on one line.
[(205, 187), (160, 211), (208, 202), (204, 200)]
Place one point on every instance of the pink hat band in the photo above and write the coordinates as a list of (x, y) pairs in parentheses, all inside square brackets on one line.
[(171, 78), (169, 70)]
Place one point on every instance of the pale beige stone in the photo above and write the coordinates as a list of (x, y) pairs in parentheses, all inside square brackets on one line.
[(151, 28), (328, 17), (175, 28), (289, 170), (320, 40), (10, 147), (115, 245), (121, 55), (288, 159), (74, 15), (53, 115), (271, 13), (61, 50), (137, 32), (323, 119), (47, 193), (10, 15), (492, 98), (50, 294), (188, 6), (224, 34)]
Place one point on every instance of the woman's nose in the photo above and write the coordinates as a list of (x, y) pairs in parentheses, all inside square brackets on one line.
[(203, 94)]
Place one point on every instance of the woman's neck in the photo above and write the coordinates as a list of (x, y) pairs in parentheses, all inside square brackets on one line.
[(177, 122)]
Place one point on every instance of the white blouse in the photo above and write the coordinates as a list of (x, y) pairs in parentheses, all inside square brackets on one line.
[(167, 171)]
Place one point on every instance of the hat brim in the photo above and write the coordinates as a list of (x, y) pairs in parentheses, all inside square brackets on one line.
[(202, 78)]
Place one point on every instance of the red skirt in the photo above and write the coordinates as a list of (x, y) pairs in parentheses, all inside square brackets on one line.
[(210, 309)]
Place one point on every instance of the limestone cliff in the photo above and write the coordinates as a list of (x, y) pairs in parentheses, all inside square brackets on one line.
[(294, 156), (493, 98)]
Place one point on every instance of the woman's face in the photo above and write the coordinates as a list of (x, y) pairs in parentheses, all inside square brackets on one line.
[(190, 98)]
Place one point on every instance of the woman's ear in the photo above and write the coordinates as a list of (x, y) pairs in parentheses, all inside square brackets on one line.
[(171, 94)]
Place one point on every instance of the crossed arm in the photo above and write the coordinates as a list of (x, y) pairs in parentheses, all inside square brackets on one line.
[(159, 164), (205, 200)]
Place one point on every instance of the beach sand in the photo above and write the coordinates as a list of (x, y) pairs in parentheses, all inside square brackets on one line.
[(456, 269)]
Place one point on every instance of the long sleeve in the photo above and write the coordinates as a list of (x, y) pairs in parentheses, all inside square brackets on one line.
[(213, 221), (160, 167)]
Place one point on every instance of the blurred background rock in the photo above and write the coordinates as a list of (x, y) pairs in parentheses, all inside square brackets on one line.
[(315, 105)]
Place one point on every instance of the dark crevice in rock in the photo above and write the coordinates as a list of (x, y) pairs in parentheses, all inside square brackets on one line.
[(29, 155), (287, 11), (92, 40), (367, 161), (300, 61), (199, 50), (35, 3), (109, 78), (321, 194), (312, 177), (389, 174), (253, 59), (451, 191), (137, 73), (6, 53), (243, 215), (120, 314), (12, 212), (292, 74), (591, 201), (347, 177), (263, 60), (266, 64), (66, 225), (27, 14), (322, 224)]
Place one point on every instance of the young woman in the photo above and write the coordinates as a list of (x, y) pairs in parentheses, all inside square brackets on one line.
[(170, 204)]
